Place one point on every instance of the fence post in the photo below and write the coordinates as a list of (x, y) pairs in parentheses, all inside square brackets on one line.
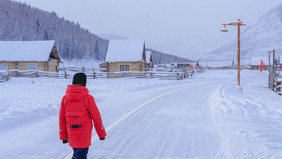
[(94, 75), (66, 74), (36, 73), (83, 69), (276, 84), (177, 76), (185, 73), (271, 73)]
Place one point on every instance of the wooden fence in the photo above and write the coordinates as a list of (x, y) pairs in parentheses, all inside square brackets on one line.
[(33, 73), (278, 85), (67, 74), (274, 77), (4, 77), (148, 74)]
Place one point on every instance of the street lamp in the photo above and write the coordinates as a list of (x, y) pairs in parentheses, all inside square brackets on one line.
[(224, 29), (239, 23)]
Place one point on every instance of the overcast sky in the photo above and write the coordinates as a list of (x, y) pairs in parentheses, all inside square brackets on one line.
[(180, 27)]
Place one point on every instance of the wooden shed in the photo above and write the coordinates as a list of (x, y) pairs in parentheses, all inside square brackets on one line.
[(183, 65), (29, 55), (125, 55)]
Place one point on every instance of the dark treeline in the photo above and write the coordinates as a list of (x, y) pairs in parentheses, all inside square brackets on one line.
[(162, 58), (21, 22)]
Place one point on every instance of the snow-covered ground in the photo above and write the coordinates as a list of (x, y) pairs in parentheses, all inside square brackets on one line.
[(248, 122), (206, 116)]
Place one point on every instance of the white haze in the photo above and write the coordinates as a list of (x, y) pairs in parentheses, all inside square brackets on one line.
[(182, 27)]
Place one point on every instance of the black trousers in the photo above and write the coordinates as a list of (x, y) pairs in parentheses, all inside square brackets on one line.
[(80, 153)]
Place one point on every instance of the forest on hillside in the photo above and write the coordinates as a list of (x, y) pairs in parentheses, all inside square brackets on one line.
[(162, 58), (21, 22)]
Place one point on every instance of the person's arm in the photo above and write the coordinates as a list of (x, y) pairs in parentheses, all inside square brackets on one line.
[(96, 117), (62, 121)]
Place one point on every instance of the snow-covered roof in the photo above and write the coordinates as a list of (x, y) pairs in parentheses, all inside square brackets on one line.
[(257, 60), (148, 55), (25, 50), (125, 50)]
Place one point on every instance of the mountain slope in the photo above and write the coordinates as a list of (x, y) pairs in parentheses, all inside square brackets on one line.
[(256, 40), (21, 22)]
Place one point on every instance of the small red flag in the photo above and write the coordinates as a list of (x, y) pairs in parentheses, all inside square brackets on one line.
[(191, 66), (261, 65)]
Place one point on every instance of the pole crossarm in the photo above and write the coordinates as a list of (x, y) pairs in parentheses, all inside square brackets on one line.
[(236, 24)]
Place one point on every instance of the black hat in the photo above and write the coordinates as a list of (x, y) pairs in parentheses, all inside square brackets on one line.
[(79, 78)]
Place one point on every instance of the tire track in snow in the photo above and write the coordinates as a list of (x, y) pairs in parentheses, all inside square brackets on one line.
[(235, 115)]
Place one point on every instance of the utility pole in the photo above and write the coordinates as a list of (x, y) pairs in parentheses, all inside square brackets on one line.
[(238, 24)]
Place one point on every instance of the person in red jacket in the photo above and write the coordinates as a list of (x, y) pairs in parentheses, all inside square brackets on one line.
[(78, 109)]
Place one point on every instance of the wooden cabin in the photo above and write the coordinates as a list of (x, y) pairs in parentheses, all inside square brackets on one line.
[(183, 65), (29, 55), (125, 55)]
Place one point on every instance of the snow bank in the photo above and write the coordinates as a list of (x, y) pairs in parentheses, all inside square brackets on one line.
[(249, 122), (22, 100), (212, 117)]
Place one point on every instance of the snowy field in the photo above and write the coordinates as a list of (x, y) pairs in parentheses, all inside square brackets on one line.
[(204, 117)]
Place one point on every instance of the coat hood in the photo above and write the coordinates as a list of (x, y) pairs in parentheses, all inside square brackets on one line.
[(75, 92)]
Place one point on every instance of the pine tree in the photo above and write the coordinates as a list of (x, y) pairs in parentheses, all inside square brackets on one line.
[(38, 26), (97, 52), (46, 35), (151, 58)]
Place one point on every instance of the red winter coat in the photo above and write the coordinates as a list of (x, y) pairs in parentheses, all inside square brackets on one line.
[(78, 109)]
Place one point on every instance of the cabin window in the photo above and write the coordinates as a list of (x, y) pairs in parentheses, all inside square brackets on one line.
[(3, 66), (124, 67), (31, 66)]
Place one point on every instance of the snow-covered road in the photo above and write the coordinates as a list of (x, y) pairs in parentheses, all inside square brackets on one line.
[(200, 118), (176, 125)]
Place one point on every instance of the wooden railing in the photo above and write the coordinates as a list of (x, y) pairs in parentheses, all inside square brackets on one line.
[(174, 75), (32, 73), (4, 77), (277, 86), (147, 74)]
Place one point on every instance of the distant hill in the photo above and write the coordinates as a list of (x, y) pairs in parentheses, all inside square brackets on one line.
[(158, 57), (111, 37), (256, 40), (21, 22), (162, 58)]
